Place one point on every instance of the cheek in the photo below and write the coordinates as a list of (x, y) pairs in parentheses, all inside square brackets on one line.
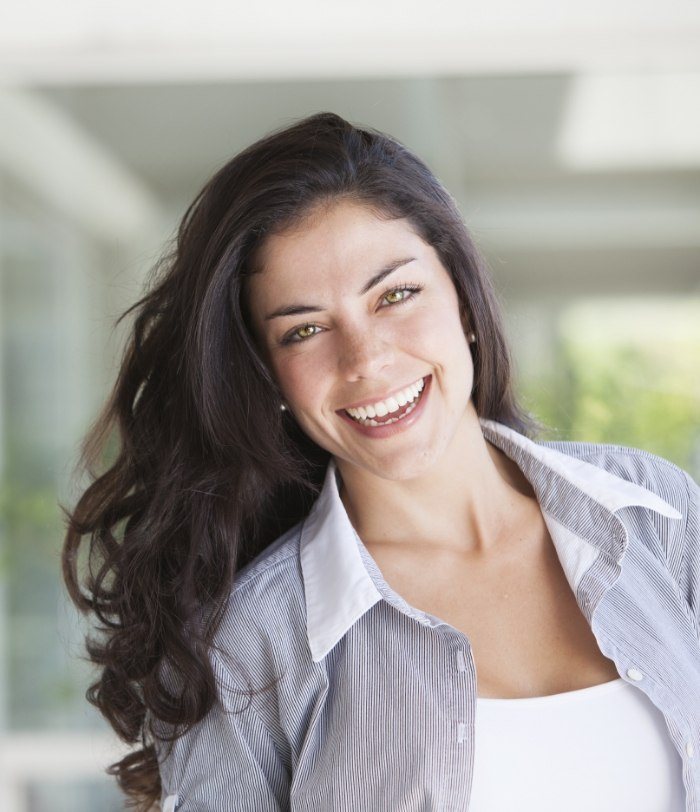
[(447, 345), (300, 377), (438, 329)]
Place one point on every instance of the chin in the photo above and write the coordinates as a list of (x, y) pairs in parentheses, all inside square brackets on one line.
[(403, 467)]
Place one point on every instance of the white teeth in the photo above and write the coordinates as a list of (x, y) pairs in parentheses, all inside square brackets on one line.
[(391, 404), (393, 419)]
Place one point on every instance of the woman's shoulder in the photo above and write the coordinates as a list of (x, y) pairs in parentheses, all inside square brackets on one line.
[(274, 564), (680, 535), (637, 465), (266, 611), (265, 589)]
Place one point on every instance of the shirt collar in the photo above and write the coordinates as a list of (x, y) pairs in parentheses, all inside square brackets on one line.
[(341, 582), (543, 466)]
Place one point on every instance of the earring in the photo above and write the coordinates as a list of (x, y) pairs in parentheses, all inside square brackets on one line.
[(283, 407), (472, 338)]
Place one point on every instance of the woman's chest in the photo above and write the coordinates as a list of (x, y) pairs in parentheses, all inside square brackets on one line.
[(527, 633)]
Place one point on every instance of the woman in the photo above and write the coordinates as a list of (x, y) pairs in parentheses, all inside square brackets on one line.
[(332, 567)]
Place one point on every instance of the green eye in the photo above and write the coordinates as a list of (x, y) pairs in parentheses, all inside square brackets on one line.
[(400, 295), (394, 296), (301, 334)]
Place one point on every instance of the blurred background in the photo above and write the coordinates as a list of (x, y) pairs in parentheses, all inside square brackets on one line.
[(569, 134)]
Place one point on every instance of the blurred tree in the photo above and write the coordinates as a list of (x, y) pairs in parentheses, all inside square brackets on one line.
[(609, 387)]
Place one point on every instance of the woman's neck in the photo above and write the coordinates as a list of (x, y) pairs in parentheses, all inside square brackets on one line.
[(469, 500)]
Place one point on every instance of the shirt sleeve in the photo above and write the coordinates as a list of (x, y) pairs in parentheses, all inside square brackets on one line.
[(228, 762)]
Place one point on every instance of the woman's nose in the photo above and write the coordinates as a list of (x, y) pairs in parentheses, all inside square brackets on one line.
[(364, 354)]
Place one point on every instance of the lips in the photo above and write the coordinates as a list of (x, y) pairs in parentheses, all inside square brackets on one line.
[(391, 423), (391, 409)]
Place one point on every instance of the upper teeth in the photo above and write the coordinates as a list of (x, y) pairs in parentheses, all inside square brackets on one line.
[(392, 404)]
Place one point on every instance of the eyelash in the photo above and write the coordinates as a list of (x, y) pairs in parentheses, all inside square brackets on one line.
[(413, 289)]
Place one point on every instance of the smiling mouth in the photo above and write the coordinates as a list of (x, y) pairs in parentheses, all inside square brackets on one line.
[(391, 410)]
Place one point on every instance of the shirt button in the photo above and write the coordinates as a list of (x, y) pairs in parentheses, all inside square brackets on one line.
[(632, 673), (689, 749), (461, 660)]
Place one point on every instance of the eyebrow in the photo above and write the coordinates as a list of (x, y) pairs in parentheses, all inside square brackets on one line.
[(297, 309)]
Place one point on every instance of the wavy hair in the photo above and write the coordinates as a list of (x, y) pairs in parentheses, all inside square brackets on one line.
[(193, 469)]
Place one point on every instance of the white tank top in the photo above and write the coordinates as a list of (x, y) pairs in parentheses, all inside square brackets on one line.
[(605, 748)]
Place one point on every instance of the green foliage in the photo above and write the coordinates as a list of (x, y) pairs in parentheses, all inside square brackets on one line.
[(610, 387), (31, 529)]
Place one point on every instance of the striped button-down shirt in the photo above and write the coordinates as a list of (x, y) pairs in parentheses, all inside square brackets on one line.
[(374, 703)]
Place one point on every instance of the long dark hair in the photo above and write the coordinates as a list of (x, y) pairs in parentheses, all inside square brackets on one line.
[(194, 469)]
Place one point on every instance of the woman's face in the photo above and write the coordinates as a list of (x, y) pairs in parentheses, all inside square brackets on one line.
[(352, 311)]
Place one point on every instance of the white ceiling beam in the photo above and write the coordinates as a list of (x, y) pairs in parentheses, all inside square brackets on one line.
[(48, 152), (338, 56), (636, 121), (77, 41), (565, 224)]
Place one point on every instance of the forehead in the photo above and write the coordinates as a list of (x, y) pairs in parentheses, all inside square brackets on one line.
[(337, 245)]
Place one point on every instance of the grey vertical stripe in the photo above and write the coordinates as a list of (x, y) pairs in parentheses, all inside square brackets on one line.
[(385, 721)]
